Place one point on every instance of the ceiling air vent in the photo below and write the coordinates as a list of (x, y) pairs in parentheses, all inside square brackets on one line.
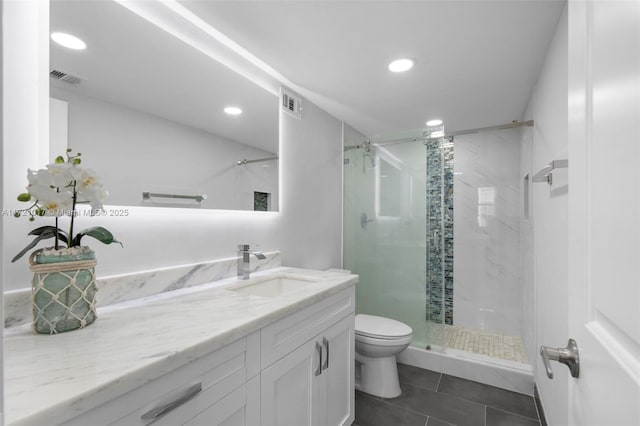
[(291, 104), (66, 77)]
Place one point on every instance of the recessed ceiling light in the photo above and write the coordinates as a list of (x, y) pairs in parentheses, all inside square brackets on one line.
[(68, 41), (432, 123), (231, 110), (437, 134), (401, 65)]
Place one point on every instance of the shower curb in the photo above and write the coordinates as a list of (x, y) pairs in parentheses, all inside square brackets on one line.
[(504, 374)]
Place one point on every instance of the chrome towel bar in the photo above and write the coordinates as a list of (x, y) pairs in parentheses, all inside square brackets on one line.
[(149, 195), (259, 160)]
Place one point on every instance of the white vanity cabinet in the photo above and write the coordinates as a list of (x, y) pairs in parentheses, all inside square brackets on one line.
[(296, 371), (313, 383)]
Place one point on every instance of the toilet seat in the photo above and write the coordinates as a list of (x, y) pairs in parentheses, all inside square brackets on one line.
[(376, 341), (379, 328)]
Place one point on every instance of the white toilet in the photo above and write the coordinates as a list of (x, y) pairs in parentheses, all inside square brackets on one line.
[(378, 340)]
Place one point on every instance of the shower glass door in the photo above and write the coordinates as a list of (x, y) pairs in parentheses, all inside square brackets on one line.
[(399, 231), (390, 239)]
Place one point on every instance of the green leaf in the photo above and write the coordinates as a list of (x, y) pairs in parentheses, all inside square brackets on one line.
[(24, 197), (99, 233), (59, 159), (62, 235), (42, 236), (76, 161)]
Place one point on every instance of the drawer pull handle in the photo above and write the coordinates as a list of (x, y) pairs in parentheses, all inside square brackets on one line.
[(319, 350), (325, 342), (158, 412)]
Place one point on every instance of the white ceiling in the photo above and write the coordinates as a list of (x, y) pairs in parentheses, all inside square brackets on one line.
[(133, 63), (477, 61)]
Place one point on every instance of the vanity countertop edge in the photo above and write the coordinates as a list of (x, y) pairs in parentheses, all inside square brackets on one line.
[(52, 379)]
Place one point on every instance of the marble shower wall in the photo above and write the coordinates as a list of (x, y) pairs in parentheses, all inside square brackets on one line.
[(487, 290)]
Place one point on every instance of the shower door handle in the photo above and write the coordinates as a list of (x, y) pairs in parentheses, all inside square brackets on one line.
[(568, 356), (364, 220)]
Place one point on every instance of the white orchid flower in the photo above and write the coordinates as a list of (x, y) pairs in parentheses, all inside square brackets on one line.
[(87, 180), (62, 174), (42, 191), (42, 177), (89, 189), (56, 191), (57, 203), (95, 196), (32, 178)]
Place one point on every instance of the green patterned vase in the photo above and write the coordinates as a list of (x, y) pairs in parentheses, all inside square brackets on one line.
[(64, 291)]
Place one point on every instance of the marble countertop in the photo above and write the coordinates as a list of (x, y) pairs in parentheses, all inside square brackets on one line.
[(51, 379)]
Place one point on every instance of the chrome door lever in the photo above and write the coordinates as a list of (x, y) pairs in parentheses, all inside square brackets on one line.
[(568, 356)]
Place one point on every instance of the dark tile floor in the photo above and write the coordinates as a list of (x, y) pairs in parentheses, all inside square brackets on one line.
[(434, 399)]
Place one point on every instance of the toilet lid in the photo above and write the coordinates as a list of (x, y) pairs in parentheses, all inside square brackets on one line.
[(382, 328)]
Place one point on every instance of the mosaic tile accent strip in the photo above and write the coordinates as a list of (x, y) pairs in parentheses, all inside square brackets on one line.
[(439, 236), (447, 153)]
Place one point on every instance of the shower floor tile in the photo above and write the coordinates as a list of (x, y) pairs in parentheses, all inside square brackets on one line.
[(485, 342)]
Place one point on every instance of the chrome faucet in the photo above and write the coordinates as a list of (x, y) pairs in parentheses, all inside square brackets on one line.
[(244, 260)]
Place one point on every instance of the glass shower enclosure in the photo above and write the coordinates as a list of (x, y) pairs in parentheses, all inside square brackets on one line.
[(398, 254), (418, 210)]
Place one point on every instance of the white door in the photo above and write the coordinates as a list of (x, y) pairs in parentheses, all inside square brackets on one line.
[(337, 378), (604, 211), (289, 389)]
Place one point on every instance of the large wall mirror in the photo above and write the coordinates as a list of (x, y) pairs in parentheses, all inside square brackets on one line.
[(147, 112)]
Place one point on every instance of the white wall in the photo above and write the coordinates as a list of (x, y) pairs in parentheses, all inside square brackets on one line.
[(306, 230), (157, 155), (311, 163), (25, 57), (1, 207), (548, 107), (487, 286)]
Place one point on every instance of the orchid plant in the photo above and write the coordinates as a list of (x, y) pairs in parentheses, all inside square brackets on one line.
[(56, 191)]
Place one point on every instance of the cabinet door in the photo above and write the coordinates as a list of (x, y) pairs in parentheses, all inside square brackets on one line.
[(240, 408), (289, 391), (337, 378)]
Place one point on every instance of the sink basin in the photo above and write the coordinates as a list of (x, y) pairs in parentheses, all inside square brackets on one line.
[(273, 287)]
